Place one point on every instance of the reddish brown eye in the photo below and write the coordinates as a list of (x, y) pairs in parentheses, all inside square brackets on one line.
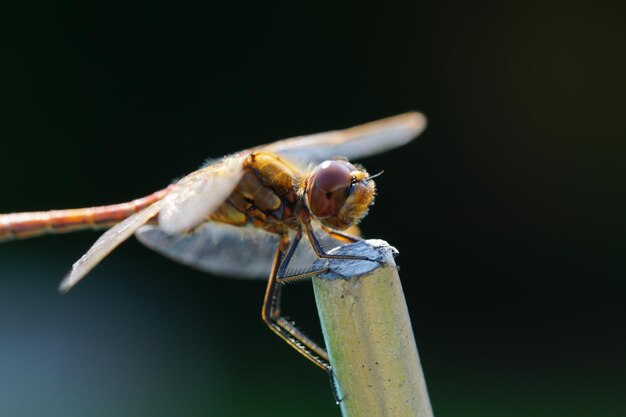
[(328, 188)]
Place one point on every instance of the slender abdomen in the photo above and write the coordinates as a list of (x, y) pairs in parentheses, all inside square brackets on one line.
[(30, 224)]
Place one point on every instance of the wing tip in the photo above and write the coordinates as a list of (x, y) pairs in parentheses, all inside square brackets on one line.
[(66, 284), (407, 126), (70, 280), (414, 120)]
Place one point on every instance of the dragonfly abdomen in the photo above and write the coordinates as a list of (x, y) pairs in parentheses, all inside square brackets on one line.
[(25, 225)]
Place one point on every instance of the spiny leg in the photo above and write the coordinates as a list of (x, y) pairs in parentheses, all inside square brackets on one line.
[(341, 236), (319, 251), (271, 307)]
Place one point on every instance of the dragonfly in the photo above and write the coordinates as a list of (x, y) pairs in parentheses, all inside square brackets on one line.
[(245, 214)]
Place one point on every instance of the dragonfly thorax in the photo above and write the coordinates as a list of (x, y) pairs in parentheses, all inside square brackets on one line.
[(265, 197)]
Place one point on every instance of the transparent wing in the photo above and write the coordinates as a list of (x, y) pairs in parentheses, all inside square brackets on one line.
[(221, 249), (199, 194), (111, 239), (202, 192), (353, 143)]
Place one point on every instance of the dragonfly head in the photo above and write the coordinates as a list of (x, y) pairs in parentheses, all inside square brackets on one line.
[(339, 193)]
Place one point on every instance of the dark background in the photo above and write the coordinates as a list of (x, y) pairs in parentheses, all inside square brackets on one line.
[(508, 211)]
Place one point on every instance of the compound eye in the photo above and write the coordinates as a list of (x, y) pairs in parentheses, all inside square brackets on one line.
[(328, 188)]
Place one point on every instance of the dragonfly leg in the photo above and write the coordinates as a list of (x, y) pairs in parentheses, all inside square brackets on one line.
[(271, 306), (319, 251), (342, 237)]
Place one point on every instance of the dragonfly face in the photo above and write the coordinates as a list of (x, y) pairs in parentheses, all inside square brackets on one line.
[(244, 214), (339, 194)]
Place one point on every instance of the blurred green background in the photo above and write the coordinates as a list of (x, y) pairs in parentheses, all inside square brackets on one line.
[(508, 212)]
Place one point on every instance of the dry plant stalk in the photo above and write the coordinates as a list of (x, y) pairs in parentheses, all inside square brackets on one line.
[(368, 334)]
